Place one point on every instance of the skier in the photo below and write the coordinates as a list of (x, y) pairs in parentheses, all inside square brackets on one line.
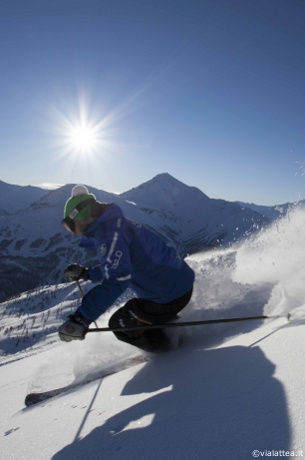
[(131, 256)]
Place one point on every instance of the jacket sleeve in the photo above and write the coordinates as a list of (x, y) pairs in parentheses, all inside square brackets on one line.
[(100, 298)]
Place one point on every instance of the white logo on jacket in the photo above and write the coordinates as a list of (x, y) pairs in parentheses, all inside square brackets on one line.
[(118, 254)]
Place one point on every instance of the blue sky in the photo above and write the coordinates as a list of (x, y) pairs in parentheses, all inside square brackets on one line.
[(210, 91)]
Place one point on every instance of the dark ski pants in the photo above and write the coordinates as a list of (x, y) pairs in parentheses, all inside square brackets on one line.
[(141, 312)]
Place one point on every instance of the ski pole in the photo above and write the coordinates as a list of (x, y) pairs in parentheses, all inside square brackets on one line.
[(80, 288), (183, 323)]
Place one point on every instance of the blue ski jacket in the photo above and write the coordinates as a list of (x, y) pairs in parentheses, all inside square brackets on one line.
[(131, 255)]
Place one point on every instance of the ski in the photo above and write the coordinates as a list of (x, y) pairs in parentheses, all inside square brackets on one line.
[(36, 397)]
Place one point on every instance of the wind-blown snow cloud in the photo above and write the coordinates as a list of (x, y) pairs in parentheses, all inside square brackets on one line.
[(276, 255)]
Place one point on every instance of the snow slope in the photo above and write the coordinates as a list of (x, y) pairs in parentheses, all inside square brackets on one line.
[(231, 391)]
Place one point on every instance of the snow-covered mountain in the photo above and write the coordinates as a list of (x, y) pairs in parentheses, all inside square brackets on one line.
[(270, 212), (230, 391), (194, 220), (35, 248), (16, 197)]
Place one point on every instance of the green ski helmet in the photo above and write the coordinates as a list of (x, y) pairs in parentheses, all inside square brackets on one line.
[(77, 206)]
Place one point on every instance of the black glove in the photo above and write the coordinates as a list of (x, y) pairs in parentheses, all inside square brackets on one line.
[(75, 272), (75, 328)]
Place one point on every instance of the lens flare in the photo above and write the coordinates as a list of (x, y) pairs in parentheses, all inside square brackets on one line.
[(83, 138)]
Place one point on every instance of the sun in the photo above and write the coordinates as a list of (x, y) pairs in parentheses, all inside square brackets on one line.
[(83, 138), (82, 133)]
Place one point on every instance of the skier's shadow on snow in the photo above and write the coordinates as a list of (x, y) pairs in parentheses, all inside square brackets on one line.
[(220, 403)]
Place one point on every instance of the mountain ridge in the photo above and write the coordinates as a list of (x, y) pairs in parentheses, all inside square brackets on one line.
[(12, 195), (23, 190)]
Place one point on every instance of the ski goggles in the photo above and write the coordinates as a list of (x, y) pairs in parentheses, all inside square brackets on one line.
[(69, 221)]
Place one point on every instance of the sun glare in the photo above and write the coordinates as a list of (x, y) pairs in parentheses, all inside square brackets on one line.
[(83, 138), (83, 133)]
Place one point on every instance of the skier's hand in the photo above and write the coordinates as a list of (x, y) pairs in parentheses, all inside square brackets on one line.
[(75, 272), (75, 328)]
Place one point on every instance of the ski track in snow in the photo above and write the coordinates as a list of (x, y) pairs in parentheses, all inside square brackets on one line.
[(228, 391)]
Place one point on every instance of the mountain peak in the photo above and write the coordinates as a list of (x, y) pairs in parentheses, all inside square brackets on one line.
[(162, 188)]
